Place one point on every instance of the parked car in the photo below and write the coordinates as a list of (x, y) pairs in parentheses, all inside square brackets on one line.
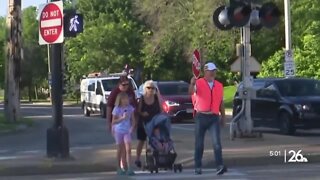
[(175, 99), (284, 103), (95, 90)]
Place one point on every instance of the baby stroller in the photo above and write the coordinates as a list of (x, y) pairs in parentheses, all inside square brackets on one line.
[(161, 153)]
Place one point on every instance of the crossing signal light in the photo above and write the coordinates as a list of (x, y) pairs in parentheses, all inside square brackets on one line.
[(269, 15), (240, 14), (73, 23), (221, 19)]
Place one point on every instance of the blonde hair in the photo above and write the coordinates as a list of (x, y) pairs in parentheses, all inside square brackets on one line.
[(148, 84), (120, 96)]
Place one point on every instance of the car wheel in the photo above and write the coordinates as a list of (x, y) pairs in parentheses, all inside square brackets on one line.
[(286, 126), (103, 111), (86, 112)]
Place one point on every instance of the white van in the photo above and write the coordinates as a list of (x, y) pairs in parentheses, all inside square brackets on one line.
[(95, 90)]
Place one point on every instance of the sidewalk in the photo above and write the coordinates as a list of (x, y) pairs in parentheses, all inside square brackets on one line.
[(241, 152)]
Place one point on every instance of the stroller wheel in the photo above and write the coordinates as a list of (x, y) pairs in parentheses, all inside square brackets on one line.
[(151, 171)]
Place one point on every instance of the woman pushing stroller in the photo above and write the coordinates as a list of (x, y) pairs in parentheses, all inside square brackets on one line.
[(149, 106), (156, 126)]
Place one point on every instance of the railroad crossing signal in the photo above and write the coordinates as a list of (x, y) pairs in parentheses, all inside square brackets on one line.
[(240, 13)]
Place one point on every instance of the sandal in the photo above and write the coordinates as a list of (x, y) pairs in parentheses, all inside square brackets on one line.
[(120, 172), (130, 172)]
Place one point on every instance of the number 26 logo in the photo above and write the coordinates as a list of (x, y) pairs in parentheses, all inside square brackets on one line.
[(295, 157)]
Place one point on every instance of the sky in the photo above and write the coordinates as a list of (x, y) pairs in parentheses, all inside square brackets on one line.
[(24, 3)]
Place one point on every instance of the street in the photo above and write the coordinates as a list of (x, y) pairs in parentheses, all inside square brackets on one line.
[(85, 132), (285, 172), (92, 146), (89, 132), (237, 66)]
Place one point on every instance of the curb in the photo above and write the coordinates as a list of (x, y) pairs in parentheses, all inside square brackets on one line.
[(65, 167)]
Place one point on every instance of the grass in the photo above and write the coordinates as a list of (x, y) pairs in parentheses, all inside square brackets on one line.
[(6, 126), (1, 94), (228, 96), (67, 101)]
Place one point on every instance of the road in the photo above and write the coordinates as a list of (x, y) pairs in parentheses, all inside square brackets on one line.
[(283, 172), (89, 134), (84, 131)]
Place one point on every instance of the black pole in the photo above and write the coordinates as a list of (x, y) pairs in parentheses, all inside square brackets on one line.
[(56, 77), (57, 135)]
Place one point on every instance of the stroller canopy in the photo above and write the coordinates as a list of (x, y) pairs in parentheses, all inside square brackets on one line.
[(160, 120)]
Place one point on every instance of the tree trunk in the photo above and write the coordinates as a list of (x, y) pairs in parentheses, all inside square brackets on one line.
[(30, 93), (36, 92), (14, 56)]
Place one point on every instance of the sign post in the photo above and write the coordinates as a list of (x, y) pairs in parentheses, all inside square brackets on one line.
[(51, 32), (289, 65)]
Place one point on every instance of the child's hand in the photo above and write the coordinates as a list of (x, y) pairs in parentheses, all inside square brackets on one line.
[(124, 116)]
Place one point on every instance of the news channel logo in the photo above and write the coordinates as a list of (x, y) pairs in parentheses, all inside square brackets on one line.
[(290, 156)]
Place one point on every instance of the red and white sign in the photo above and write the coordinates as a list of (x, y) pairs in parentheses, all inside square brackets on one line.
[(196, 63), (51, 23)]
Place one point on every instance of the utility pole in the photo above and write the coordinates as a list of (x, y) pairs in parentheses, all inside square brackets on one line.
[(289, 65), (246, 78), (14, 57), (287, 22)]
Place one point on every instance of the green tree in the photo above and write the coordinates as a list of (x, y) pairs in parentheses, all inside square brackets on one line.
[(179, 27), (2, 50), (304, 14), (34, 65), (306, 31), (112, 37), (160, 36)]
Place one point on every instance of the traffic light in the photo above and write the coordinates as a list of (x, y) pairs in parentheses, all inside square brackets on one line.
[(241, 12), (73, 23)]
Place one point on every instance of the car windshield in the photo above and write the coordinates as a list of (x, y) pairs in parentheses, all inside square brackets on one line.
[(174, 89), (299, 87), (109, 84)]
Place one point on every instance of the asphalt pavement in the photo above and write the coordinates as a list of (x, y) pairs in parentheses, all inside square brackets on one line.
[(283, 172), (92, 147)]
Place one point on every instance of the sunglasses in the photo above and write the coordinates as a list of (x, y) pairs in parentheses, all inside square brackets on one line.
[(150, 88), (125, 84)]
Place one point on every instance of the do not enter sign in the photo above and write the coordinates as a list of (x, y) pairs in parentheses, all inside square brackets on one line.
[(51, 23)]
